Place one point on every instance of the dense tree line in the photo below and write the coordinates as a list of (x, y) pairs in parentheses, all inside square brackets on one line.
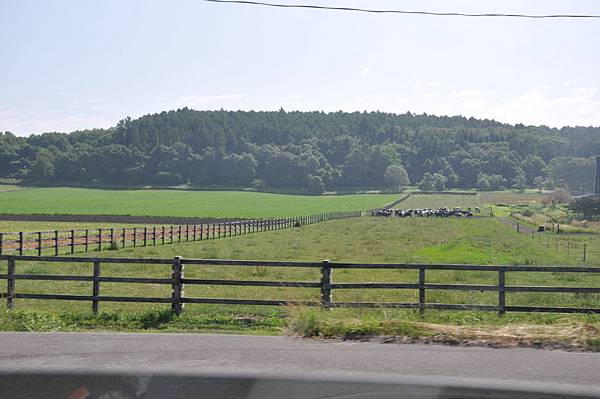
[(313, 151)]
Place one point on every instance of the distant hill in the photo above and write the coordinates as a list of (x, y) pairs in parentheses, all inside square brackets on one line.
[(312, 151)]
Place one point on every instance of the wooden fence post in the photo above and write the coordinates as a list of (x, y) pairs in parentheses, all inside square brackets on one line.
[(177, 286), (584, 251), (422, 291), (87, 240), (124, 236), (201, 232), (20, 243), (1, 242), (153, 236), (10, 284), (55, 242), (194, 233), (72, 241), (100, 239), (187, 232), (171, 234), (179, 234), (112, 235), (134, 236), (96, 286), (145, 236), (501, 292), (518, 225), (326, 284), (39, 243)]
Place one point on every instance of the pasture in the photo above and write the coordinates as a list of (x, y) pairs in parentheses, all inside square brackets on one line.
[(510, 197), (388, 240), (419, 200), (22, 225), (216, 204)]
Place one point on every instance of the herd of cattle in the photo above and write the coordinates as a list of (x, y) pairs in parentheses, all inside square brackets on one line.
[(426, 212)]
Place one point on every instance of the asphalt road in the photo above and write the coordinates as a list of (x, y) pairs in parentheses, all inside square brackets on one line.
[(233, 353)]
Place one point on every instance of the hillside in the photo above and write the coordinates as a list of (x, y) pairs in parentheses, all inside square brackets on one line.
[(312, 151)]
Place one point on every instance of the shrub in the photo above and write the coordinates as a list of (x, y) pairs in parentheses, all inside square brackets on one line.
[(557, 196)]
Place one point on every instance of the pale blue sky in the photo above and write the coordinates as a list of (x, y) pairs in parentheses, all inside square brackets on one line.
[(69, 65)]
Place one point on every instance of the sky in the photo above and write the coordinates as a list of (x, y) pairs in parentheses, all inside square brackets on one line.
[(68, 65)]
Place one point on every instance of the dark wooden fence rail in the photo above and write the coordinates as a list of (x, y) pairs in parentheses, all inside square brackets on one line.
[(84, 240), (177, 281)]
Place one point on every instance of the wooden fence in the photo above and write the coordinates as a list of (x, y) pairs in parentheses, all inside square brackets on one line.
[(178, 281), (83, 240)]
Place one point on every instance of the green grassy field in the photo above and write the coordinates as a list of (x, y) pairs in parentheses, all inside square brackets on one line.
[(418, 240), (440, 201), (510, 197), (21, 225), (225, 204)]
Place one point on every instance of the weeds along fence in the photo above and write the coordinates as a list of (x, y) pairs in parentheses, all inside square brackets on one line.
[(84, 240), (177, 281), (575, 248)]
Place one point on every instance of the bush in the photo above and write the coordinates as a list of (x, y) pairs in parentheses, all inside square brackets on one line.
[(589, 207), (557, 196)]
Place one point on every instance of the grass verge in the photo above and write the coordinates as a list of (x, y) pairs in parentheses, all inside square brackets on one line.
[(147, 320), (580, 336)]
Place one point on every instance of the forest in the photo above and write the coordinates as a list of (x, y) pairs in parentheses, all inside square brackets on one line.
[(308, 151)]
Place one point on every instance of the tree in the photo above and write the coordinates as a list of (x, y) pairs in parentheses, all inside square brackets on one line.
[(433, 182), (396, 177), (490, 182), (539, 182), (533, 166), (299, 149), (571, 173), (589, 207), (43, 167), (314, 185), (520, 181), (483, 182)]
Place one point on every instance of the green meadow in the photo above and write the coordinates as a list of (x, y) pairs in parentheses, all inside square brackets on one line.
[(433, 201), (214, 204), (368, 239)]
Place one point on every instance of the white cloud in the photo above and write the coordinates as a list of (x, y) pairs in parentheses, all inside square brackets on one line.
[(50, 123), (419, 85), (537, 106), (366, 71), (465, 93)]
